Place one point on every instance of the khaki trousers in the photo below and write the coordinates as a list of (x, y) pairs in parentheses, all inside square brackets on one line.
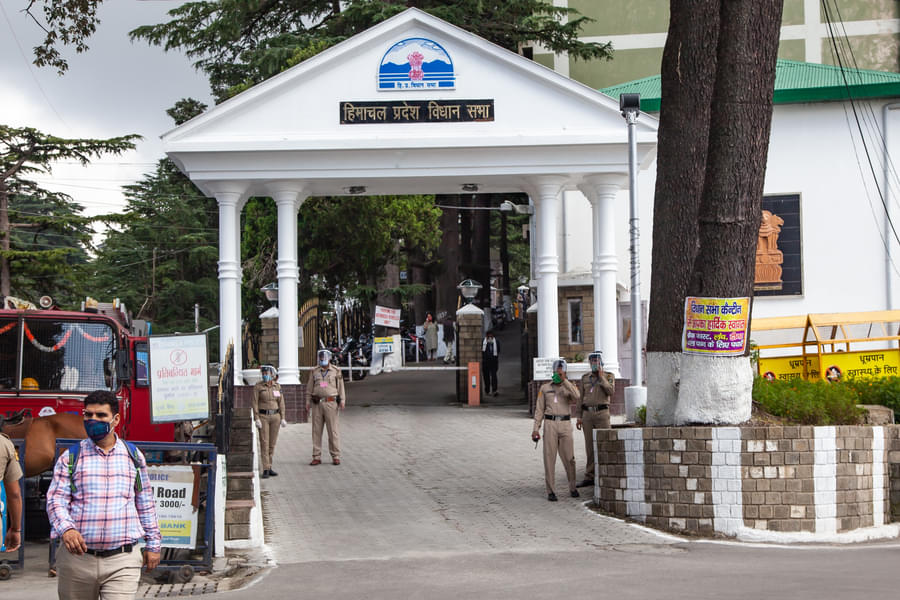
[(558, 441), (590, 421), (87, 577), (268, 435), (326, 414)]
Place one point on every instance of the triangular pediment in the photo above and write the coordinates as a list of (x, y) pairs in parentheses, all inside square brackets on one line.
[(301, 107)]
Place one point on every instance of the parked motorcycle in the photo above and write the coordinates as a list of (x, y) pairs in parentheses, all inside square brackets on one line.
[(351, 348)]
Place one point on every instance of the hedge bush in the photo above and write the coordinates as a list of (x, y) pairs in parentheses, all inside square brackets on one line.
[(810, 402), (884, 391)]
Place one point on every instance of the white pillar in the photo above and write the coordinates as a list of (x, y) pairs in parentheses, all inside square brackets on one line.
[(601, 192), (230, 199), (288, 198), (546, 190)]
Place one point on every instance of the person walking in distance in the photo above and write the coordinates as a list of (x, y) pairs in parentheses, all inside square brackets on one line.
[(101, 505), (449, 339), (325, 399), (10, 474), (553, 410), (268, 409), (431, 338), (490, 361), (596, 389)]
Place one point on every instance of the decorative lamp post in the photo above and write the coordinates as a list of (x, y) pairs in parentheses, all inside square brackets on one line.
[(271, 292), (469, 289)]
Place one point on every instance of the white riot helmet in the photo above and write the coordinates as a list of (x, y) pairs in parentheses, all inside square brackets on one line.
[(595, 358), (560, 363), (324, 357), (268, 370)]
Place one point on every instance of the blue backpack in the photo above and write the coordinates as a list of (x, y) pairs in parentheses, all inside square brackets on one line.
[(75, 451)]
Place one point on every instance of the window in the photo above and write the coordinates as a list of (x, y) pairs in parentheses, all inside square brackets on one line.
[(575, 334), (9, 353), (68, 356), (141, 366)]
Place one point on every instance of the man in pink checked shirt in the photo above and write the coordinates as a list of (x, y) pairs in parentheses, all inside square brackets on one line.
[(100, 508)]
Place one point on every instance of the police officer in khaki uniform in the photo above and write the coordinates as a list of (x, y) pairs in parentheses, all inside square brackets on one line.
[(553, 408), (596, 389), (325, 398), (10, 474), (268, 406)]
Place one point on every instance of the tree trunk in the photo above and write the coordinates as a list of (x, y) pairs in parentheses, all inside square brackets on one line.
[(481, 249), (504, 262), (719, 389), (446, 282), (4, 240), (687, 77)]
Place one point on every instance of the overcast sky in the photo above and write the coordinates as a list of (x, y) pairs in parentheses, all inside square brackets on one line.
[(113, 89)]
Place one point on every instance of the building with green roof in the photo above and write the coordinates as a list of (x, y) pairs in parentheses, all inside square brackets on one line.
[(795, 82)]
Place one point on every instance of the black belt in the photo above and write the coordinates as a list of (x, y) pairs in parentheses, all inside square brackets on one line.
[(268, 411), (106, 553), (595, 408), (557, 417)]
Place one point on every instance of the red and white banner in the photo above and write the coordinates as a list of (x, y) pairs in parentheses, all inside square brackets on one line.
[(388, 317)]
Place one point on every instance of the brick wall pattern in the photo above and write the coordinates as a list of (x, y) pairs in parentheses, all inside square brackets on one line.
[(751, 482)]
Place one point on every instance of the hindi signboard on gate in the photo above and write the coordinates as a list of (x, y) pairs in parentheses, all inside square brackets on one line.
[(173, 490), (715, 326), (179, 386), (543, 368), (387, 317), (384, 345)]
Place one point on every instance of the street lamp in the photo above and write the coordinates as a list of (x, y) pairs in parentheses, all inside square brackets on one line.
[(469, 289), (271, 292), (635, 394), (519, 209)]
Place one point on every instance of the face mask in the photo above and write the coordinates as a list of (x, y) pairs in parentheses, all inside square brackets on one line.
[(97, 430), (595, 367), (556, 378), (267, 378), (323, 363)]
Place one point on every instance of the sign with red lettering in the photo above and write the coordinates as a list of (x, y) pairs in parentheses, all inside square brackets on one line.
[(715, 326), (387, 317), (179, 385)]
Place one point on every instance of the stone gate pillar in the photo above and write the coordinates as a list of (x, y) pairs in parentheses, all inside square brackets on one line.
[(470, 324)]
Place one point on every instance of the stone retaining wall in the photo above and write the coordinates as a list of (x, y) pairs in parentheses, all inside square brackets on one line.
[(738, 481)]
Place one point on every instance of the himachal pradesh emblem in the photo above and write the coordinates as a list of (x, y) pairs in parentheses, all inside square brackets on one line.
[(416, 63)]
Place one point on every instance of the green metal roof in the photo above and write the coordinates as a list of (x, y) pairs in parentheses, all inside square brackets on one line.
[(795, 82)]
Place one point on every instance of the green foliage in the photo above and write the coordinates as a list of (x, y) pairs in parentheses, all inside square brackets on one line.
[(640, 415), (45, 234), (239, 43), (808, 402), (877, 390), (65, 22), (160, 255)]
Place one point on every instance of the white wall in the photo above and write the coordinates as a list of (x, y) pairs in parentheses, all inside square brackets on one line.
[(811, 154)]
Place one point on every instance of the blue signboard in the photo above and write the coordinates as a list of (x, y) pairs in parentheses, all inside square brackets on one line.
[(2, 517), (416, 64)]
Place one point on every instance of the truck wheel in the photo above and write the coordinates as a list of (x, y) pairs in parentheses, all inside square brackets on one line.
[(5, 572)]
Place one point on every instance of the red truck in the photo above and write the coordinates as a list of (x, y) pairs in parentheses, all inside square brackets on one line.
[(50, 359)]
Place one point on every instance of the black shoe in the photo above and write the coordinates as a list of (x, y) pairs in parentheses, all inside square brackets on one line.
[(265, 474), (273, 473), (586, 483), (574, 494), (495, 394), (551, 497)]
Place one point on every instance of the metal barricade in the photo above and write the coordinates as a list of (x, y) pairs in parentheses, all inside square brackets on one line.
[(184, 568), (7, 566)]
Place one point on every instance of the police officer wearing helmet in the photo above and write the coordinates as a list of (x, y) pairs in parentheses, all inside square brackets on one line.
[(325, 398), (268, 407), (553, 409), (596, 389)]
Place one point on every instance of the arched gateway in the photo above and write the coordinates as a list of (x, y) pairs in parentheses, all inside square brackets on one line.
[(413, 105)]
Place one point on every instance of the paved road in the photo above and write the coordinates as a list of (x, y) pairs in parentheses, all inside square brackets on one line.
[(425, 481)]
